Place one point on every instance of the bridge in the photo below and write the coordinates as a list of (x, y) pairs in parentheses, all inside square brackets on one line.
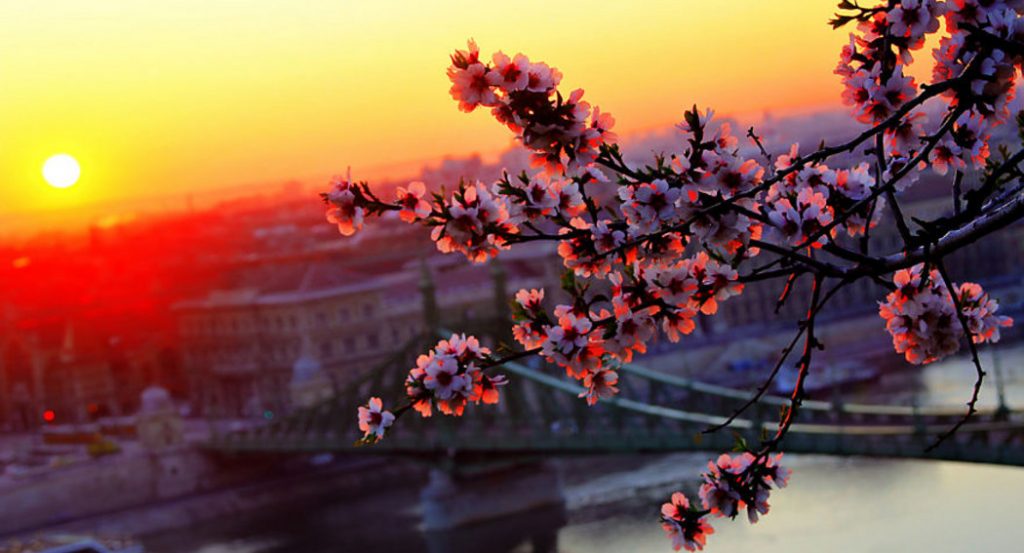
[(540, 415)]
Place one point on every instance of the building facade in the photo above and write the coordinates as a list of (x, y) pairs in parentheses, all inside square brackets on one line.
[(244, 348)]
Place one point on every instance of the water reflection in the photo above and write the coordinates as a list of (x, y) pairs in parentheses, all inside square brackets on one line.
[(949, 382), (386, 521), (852, 505), (535, 532)]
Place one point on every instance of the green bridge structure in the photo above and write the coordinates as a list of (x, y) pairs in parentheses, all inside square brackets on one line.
[(540, 415)]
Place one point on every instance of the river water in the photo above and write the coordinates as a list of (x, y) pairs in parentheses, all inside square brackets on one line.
[(835, 505)]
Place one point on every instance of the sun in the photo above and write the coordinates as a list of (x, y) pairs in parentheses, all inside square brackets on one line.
[(61, 171)]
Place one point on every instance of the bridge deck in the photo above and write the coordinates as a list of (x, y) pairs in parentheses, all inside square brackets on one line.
[(540, 414)]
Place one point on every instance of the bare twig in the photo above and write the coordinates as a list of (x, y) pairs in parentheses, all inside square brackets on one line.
[(979, 371), (803, 326)]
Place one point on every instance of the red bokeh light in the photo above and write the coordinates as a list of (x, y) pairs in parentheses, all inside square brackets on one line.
[(49, 415)]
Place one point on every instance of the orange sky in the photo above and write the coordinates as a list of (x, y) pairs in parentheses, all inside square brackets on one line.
[(157, 99)]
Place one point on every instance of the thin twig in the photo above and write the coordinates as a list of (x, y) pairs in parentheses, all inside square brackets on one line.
[(804, 368), (979, 371), (763, 388)]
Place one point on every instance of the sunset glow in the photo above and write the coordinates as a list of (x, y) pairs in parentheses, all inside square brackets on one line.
[(684, 251), (158, 100)]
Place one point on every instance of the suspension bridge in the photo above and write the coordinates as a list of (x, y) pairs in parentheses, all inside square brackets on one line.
[(540, 414)]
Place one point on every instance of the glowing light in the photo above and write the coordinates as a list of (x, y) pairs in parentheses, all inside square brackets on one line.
[(49, 415), (61, 171)]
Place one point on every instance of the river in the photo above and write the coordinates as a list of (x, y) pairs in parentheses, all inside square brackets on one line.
[(835, 505)]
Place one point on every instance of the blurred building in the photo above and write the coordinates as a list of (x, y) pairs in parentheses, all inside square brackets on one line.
[(57, 374), (288, 327)]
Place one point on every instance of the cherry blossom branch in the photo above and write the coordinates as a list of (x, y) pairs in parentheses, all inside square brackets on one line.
[(993, 40), (674, 238), (888, 185), (821, 267), (973, 231)]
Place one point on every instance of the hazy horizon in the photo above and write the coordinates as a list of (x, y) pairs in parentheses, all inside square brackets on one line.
[(26, 223)]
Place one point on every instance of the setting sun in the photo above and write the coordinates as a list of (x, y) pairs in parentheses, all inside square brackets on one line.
[(61, 171)]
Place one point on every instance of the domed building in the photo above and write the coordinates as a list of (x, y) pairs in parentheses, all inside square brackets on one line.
[(158, 423), (155, 399)]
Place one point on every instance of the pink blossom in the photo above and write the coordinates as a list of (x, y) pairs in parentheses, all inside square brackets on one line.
[(687, 528), (727, 174), (475, 224), (571, 332), (571, 343), (542, 78), (444, 380), (599, 384), (796, 221), (345, 210), (411, 199), (470, 86), (719, 282), (946, 155), (529, 334), (579, 252), (855, 184), (374, 420), (485, 388), (678, 322), (971, 133), (570, 200), (633, 329), (530, 300), (980, 311), (915, 18), (905, 138), (648, 204), (509, 74)]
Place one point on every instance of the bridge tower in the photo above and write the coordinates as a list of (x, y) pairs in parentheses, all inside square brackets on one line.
[(428, 291)]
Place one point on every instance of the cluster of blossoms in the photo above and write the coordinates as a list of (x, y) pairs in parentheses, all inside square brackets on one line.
[(664, 244), (730, 485), (873, 65), (586, 340), (563, 132), (571, 341), (804, 203), (475, 222), (968, 48), (713, 170), (450, 376), (544, 196), (980, 74), (922, 319)]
